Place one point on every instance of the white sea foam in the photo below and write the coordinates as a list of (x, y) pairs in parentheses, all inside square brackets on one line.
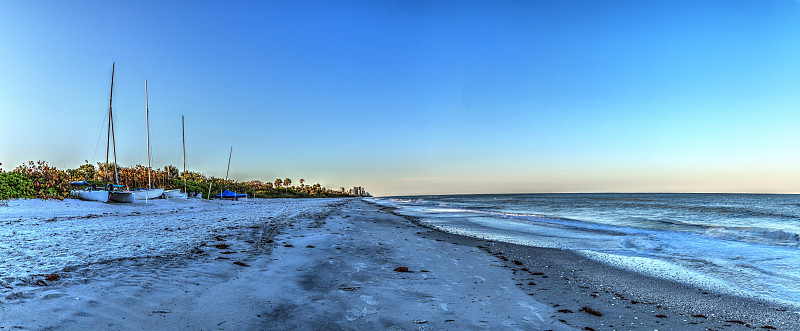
[(744, 245), (678, 273)]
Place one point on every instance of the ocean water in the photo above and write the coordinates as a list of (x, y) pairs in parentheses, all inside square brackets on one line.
[(741, 244)]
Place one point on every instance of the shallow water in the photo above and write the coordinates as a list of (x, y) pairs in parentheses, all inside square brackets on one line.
[(743, 244)]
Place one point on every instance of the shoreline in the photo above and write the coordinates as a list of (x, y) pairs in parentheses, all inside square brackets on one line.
[(333, 264), (569, 282)]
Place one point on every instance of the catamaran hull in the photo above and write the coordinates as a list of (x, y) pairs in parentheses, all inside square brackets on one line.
[(101, 196), (174, 194), (148, 194), (125, 197)]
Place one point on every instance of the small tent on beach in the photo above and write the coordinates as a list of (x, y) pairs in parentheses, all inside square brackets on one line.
[(231, 195)]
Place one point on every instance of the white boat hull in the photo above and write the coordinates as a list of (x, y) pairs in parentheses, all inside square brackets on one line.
[(148, 194), (126, 197), (95, 195), (174, 194)]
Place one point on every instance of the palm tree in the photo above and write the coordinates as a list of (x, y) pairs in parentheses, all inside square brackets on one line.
[(171, 172), (278, 183), (287, 182), (301, 182)]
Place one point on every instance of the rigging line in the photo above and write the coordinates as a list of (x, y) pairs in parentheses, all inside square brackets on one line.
[(236, 169), (156, 155), (141, 146), (179, 158), (105, 118)]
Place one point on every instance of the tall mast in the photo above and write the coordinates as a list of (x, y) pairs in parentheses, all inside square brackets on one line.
[(229, 166), (183, 134), (114, 144), (147, 112), (108, 141), (108, 137), (111, 124)]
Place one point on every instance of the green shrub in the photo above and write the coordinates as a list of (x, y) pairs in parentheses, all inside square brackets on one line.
[(46, 182), (14, 185)]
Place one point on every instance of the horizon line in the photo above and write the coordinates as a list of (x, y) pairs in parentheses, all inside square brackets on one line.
[(443, 194)]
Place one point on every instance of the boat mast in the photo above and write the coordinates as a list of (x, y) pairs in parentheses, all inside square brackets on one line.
[(114, 144), (183, 135), (108, 136), (147, 112), (111, 124), (229, 166)]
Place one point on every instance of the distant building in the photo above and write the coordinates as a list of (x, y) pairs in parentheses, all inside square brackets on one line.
[(357, 191)]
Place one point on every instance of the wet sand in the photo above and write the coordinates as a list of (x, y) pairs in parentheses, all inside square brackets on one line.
[(619, 299)]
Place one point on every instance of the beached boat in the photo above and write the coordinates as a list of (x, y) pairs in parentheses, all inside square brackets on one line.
[(89, 193), (228, 195), (119, 196), (174, 194), (150, 192), (115, 193), (147, 194)]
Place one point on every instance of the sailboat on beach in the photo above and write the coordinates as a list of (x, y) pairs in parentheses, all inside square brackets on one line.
[(111, 192), (115, 192), (89, 193), (228, 195), (149, 192), (176, 193)]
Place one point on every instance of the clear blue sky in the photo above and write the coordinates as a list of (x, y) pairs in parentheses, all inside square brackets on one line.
[(417, 97)]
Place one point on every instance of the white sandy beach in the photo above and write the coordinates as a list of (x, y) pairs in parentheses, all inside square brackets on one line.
[(316, 264), (308, 264)]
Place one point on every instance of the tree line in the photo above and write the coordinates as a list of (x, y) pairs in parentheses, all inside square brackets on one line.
[(40, 180)]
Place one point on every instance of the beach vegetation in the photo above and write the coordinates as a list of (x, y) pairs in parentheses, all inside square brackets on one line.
[(86, 171), (287, 183), (34, 180), (171, 172), (14, 185), (40, 180)]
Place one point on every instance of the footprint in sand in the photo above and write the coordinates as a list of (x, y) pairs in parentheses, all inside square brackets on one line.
[(363, 313), (369, 300)]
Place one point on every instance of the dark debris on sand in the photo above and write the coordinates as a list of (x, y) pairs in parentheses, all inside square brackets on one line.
[(591, 311)]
